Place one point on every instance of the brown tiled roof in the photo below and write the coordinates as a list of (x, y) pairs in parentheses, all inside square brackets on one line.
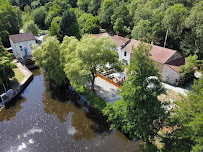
[(101, 34), (119, 40), (159, 54), (22, 37), (175, 64)]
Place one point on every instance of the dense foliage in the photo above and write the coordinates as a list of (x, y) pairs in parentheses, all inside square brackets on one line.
[(187, 123), (48, 58), (6, 67), (83, 57), (10, 21), (146, 20)]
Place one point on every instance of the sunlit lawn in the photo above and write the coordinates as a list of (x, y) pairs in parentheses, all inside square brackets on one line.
[(18, 74)]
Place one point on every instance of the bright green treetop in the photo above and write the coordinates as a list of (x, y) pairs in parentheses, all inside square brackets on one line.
[(31, 27), (6, 66), (47, 56), (89, 54), (88, 23), (174, 19)]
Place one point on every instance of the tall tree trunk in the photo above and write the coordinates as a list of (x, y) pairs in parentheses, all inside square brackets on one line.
[(93, 79)]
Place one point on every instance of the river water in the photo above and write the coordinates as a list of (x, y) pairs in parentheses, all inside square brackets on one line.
[(43, 119)]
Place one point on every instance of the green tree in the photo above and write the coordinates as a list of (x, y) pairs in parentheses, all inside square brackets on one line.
[(6, 67), (27, 9), (89, 54), (10, 21), (88, 23), (48, 58), (187, 70), (107, 9), (195, 22), (139, 113), (49, 18), (187, 122), (142, 31), (69, 25), (39, 16), (31, 27), (35, 4), (73, 3), (83, 4), (54, 29), (174, 19), (94, 6)]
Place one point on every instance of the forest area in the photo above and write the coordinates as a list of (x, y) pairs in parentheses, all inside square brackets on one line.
[(66, 58), (146, 20)]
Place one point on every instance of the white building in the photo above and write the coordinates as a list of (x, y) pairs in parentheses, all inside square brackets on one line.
[(168, 61), (22, 44)]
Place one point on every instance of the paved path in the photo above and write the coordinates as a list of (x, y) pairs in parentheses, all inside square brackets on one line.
[(176, 89), (106, 90)]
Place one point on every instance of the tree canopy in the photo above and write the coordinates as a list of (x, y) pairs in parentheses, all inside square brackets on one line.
[(187, 122), (31, 27), (139, 113), (89, 53), (6, 67), (47, 56), (69, 25), (10, 21)]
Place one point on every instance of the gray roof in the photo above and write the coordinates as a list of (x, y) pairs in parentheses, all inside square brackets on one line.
[(22, 37)]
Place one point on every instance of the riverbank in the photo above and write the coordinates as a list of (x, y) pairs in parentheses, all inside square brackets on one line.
[(18, 88)]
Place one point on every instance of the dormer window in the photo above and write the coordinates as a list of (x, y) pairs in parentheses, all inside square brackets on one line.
[(125, 53)]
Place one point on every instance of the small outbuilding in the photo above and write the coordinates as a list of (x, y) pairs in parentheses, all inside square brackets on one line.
[(22, 45)]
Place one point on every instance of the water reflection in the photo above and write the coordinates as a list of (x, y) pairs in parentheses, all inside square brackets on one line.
[(11, 109), (78, 124), (49, 121)]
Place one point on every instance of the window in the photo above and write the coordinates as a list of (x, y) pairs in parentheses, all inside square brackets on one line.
[(21, 48), (30, 46), (125, 53)]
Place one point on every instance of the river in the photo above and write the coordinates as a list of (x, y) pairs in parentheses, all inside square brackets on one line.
[(43, 119)]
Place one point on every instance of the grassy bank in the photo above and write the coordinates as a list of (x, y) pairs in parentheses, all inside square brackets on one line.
[(18, 74), (95, 100)]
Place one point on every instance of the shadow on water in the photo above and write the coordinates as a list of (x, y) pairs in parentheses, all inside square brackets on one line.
[(11, 109), (62, 101)]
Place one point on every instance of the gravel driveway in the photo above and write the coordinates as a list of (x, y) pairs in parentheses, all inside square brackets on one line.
[(106, 90)]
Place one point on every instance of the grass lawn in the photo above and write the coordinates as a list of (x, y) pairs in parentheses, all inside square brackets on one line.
[(18, 74)]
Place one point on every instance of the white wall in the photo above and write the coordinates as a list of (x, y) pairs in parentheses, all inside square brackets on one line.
[(121, 55), (17, 51), (167, 71)]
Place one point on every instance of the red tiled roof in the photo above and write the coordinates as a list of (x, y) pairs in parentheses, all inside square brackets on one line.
[(22, 37), (175, 64), (101, 34), (159, 54), (119, 40)]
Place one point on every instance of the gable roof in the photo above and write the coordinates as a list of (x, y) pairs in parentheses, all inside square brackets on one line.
[(175, 64), (159, 54), (22, 37), (119, 40)]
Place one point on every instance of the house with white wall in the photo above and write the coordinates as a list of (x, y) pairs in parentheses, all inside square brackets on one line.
[(22, 44), (168, 60)]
